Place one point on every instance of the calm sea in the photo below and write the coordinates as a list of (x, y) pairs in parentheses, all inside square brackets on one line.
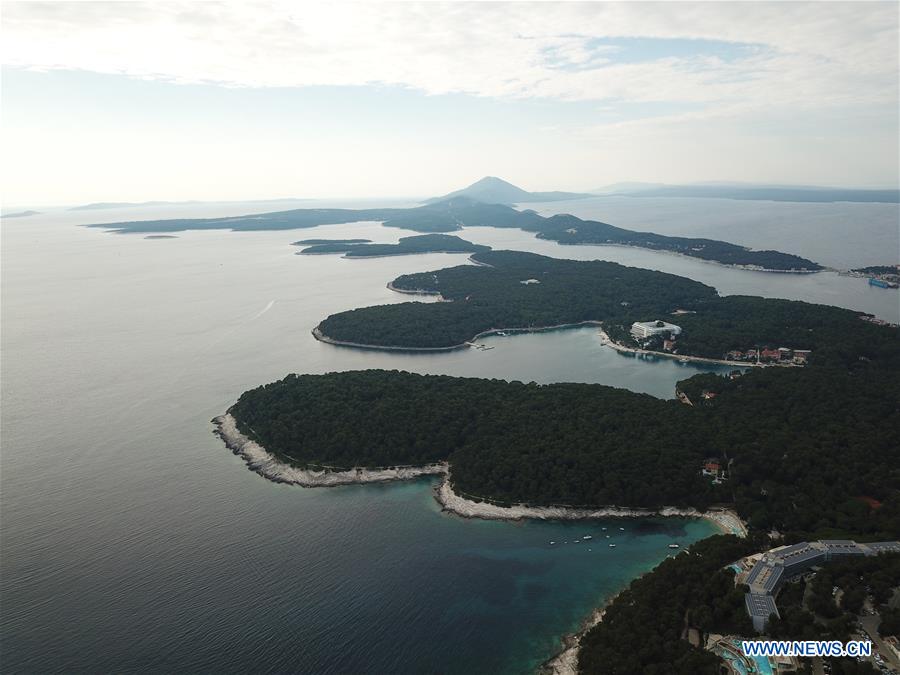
[(133, 541)]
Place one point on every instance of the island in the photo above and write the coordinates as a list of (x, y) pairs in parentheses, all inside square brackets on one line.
[(455, 213), (516, 291), (423, 243), (20, 214), (314, 242)]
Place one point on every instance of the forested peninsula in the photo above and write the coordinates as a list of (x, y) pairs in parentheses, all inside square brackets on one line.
[(510, 290), (456, 213), (802, 446)]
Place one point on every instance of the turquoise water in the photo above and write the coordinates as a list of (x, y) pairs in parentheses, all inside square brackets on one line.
[(133, 541)]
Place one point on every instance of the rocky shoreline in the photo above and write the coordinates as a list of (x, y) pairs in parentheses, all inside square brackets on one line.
[(264, 463), (724, 519), (261, 461)]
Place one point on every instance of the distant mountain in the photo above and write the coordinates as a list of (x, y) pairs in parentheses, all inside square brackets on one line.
[(96, 206), (20, 214), (491, 190), (775, 193)]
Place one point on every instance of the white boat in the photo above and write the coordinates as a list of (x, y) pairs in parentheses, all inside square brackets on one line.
[(587, 536), (607, 536), (603, 528), (501, 334), (552, 542), (622, 529), (673, 545), (612, 545)]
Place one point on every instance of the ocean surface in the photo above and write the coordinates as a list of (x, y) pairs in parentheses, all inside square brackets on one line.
[(133, 541)]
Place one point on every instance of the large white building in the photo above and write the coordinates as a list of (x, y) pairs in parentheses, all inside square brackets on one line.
[(645, 329)]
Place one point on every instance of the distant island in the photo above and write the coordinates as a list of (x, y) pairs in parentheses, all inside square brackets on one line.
[(313, 242), (423, 243), (517, 291), (454, 214), (99, 206), (493, 190), (775, 193), (20, 214)]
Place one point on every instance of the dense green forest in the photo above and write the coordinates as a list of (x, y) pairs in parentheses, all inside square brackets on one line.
[(877, 270), (804, 445), (642, 629), (492, 296), (423, 243), (453, 214)]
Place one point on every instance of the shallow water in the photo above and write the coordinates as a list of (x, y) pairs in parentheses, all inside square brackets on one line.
[(133, 541)]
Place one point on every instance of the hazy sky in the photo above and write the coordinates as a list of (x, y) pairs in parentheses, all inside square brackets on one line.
[(140, 101)]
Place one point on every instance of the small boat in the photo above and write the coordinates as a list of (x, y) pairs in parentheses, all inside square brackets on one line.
[(552, 542), (607, 536), (587, 536), (603, 528), (501, 334), (622, 529), (673, 545), (612, 545), (590, 549)]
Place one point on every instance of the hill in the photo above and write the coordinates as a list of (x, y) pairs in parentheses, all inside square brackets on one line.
[(492, 190)]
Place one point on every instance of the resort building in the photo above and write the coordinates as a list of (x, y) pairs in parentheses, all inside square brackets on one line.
[(778, 565), (647, 329)]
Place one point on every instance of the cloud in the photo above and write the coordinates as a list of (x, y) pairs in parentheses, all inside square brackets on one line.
[(804, 55)]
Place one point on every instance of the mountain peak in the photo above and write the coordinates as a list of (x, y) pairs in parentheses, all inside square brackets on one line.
[(493, 190)]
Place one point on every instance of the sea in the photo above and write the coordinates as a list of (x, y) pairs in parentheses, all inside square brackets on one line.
[(131, 540)]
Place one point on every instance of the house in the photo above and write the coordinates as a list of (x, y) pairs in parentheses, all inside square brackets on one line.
[(707, 395), (669, 345), (711, 468), (785, 354), (770, 354), (646, 329), (801, 355), (735, 355)]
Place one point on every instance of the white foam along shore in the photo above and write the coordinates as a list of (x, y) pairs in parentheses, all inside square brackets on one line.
[(268, 466), (724, 519)]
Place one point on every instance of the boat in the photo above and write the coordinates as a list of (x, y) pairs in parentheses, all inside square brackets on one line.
[(622, 529), (552, 542), (673, 545), (881, 283), (587, 536), (501, 334), (607, 536), (603, 528), (612, 545)]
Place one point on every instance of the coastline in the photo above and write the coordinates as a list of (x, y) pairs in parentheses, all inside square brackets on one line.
[(268, 466), (746, 268), (261, 461), (319, 335), (565, 662), (622, 349), (725, 520)]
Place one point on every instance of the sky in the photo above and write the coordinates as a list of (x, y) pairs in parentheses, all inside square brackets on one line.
[(132, 101)]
